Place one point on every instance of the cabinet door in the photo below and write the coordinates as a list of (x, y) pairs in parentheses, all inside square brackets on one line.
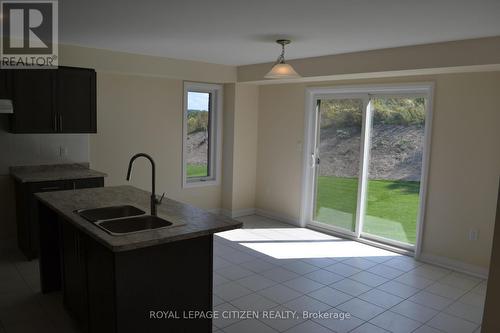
[(31, 213), (5, 84), (33, 99), (74, 272), (76, 100)]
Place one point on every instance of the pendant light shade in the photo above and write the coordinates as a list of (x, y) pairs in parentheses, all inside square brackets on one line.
[(282, 70)]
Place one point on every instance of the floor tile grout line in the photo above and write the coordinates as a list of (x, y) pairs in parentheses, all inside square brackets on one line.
[(420, 289), (434, 281)]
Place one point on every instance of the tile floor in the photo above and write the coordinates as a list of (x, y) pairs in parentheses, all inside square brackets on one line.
[(273, 266)]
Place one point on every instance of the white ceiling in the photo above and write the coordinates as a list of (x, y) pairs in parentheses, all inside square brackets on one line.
[(238, 32)]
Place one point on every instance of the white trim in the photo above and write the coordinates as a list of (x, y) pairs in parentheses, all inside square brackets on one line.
[(424, 177), (324, 229), (277, 216), (455, 265), (216, 125), (364, 163), (424, 89), (394, 89), (308, 151), (388, 241)]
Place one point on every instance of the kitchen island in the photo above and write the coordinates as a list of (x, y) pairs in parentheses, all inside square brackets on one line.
[(118, 283)]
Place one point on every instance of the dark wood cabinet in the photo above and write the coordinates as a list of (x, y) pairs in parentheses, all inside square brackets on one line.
[(59, 100), (33, 101), (74, 272), (76, 100), (5, 86), (26, 208), (491, 320), (105, 291)]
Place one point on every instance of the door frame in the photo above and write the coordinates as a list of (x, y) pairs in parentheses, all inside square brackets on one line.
[(425, 89)]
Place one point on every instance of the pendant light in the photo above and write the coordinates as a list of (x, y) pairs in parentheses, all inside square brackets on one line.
[(282, 70)]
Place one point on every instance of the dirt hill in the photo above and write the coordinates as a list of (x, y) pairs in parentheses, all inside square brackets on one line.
[(396, 152), (197, 147)]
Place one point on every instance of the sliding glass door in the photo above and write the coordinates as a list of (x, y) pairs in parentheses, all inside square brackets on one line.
[(395, 169), (367, 165), (339, 124)]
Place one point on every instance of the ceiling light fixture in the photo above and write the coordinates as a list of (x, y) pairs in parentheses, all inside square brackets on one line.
[(282, 70)]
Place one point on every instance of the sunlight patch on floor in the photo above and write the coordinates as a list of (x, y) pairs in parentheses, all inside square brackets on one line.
[(299, 243)]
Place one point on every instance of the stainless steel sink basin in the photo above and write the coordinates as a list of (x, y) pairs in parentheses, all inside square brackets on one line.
[(107, 213), (133, 224)]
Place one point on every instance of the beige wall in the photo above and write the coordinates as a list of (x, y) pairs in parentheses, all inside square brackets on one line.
[(245, 147), (140, 110), (464, 164), (240, 148), (144, 114)]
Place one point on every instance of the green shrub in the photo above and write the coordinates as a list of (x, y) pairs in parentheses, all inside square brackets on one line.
[(197, 121)]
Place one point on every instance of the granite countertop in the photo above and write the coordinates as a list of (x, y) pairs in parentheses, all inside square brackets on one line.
[(42, 173), (189, 222)]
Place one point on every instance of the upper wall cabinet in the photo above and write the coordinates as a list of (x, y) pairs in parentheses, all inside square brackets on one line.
[(59, 100), (76, 100)]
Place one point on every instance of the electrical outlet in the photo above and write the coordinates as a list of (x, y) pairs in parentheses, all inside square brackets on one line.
[(473, 234)]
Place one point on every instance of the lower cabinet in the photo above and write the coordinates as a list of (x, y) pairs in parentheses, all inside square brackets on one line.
[(28, 234), (74, 272), (108, 291)]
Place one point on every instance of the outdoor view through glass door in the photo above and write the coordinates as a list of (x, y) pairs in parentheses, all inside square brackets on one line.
[(337, 153), (368, 156), (395, 168)]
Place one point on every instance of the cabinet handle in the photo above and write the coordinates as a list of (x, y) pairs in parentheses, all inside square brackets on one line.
[(60, 123), (55, 123)]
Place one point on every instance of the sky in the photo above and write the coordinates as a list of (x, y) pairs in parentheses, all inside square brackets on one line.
[(197, 101)]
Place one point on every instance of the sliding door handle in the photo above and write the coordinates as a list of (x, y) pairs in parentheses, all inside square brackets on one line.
[(55, 123), (60, 123)]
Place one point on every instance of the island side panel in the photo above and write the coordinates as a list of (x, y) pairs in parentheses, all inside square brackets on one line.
[(50, 259), (175, 276), (101, 287)]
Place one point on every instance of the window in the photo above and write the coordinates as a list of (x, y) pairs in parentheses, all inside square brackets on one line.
[(201, 137)]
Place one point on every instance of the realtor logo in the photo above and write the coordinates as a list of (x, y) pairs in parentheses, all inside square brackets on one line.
[(29, 34)]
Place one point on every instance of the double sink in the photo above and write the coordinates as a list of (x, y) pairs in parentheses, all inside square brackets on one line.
[(121, 220)]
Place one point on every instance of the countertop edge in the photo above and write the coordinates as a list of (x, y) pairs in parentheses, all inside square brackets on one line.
[(137, 245), (40, 180)]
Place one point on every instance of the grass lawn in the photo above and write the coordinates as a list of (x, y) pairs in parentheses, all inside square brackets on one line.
[(197, 170), (391, 210)]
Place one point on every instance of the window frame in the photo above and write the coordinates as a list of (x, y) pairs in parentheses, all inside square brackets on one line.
[(214, 132)]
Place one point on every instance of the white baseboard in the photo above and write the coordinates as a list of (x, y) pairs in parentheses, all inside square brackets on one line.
[(236, 213), (455, 265), (277, 216)]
